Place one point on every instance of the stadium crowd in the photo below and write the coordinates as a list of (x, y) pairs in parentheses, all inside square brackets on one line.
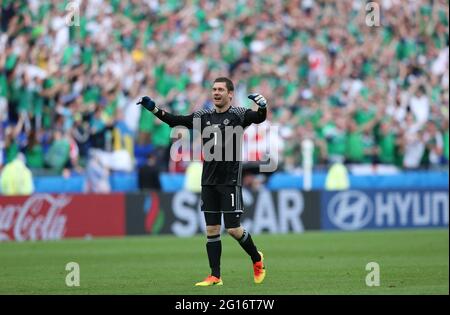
[(71, 73)]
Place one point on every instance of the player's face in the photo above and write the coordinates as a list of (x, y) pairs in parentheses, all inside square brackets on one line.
[(220, 94)]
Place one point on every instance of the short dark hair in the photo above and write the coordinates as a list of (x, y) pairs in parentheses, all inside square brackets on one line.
[(228, 83)]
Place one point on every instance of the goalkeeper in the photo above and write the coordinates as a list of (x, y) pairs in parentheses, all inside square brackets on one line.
[(222, 177)]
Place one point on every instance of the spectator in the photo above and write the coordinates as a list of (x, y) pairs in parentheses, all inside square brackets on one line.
[(58, 154), (97, 174), (387, 143), (434, 144), (80, 133), (335, 135), (446, 143), (337, 177), (122, 135), (412, 143), (419, 104), (98, 130), (16, 178), (194, 177), (33, 151), (160, 135), (50, 72), (148, 174)]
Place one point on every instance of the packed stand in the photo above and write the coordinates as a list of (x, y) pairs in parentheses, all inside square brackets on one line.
[(72, 72)]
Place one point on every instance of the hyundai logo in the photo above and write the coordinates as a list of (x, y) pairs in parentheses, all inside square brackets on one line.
[(350, 210)]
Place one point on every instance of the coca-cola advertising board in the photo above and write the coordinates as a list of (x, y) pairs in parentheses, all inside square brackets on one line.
[(52, 217)]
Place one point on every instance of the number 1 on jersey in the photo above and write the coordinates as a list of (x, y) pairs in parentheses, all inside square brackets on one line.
[(232, 199)]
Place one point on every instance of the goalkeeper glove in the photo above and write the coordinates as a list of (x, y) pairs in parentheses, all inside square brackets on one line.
[(258, 99), (148, 103)]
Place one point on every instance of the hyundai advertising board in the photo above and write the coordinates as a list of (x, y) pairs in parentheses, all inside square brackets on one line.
[(381, 209)]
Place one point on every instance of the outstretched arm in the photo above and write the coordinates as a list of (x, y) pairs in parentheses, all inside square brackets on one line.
[(168, 118), (256, 117), (175, 120)]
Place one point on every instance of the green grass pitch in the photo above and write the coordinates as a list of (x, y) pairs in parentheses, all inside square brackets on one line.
[(411, 262)]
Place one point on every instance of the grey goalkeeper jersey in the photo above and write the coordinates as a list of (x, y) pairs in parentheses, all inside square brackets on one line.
[(221, 140)]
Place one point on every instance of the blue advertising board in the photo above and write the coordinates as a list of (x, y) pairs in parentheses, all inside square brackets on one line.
[(380, 209)]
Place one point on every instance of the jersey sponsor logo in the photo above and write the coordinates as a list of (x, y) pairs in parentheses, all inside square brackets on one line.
[(226, 121)]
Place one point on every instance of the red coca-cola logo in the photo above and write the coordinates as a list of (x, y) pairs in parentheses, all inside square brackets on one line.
[(38, 218)]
